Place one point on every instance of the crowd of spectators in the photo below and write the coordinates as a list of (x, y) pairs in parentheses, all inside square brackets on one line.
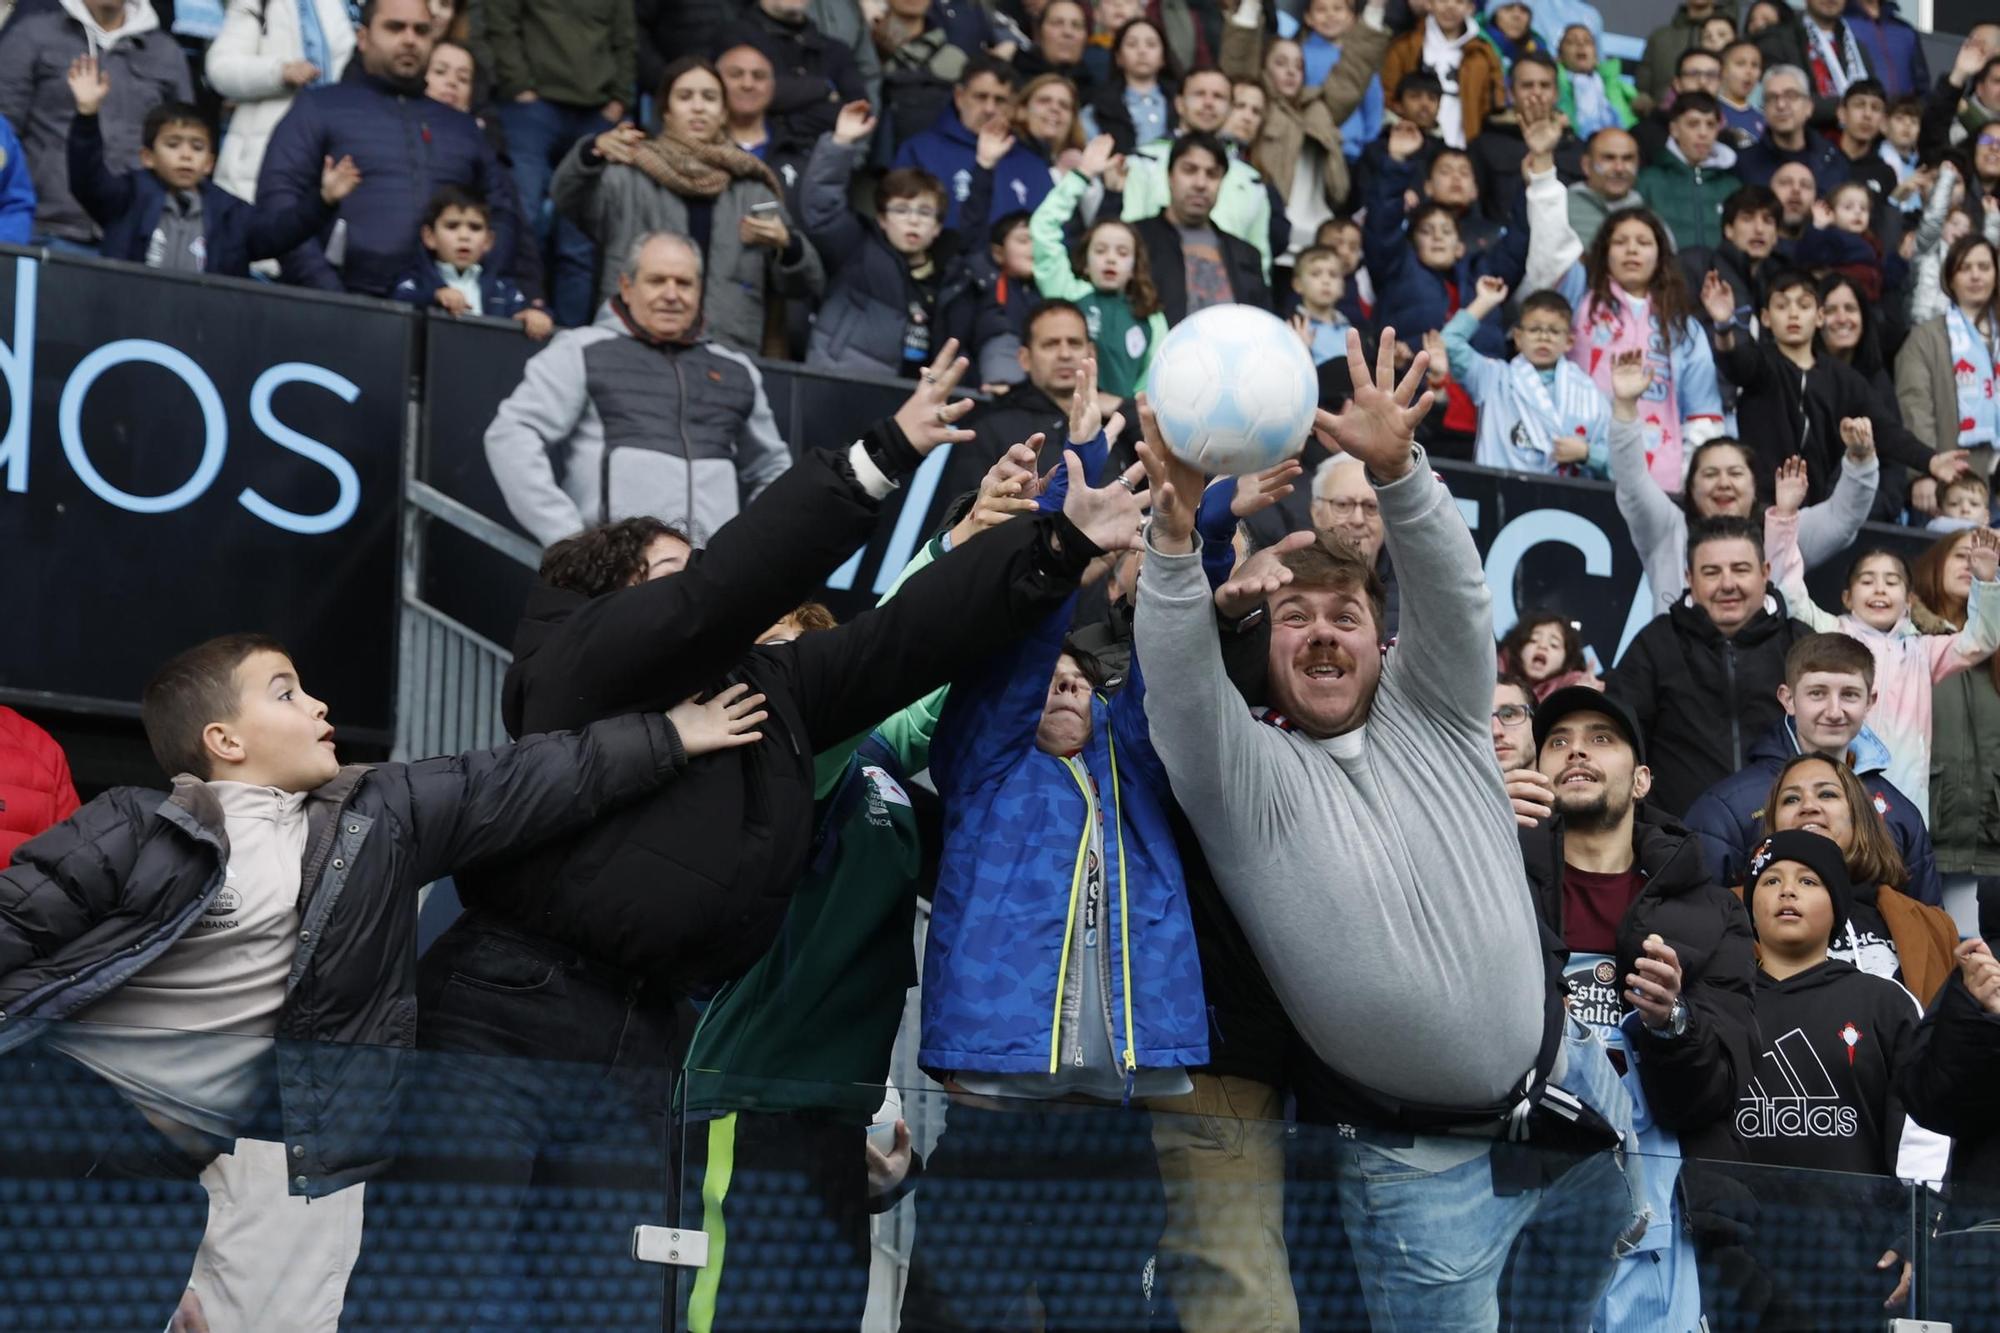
[(1242, 812)]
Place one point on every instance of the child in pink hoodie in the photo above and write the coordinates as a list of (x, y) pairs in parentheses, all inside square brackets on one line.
[(1907, 661)]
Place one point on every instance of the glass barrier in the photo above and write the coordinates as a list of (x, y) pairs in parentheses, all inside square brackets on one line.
[(518, 1194)]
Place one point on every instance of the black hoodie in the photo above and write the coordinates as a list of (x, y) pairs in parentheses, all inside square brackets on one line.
[(1949, 1078), (1822, 1094)]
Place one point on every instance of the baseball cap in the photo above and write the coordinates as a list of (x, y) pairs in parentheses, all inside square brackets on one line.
[(1583, 699)]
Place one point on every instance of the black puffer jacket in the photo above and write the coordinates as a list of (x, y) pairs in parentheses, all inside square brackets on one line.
[(1949, 1079), (1691, 1081), (1702, 699), (104, 893), (688, 889)]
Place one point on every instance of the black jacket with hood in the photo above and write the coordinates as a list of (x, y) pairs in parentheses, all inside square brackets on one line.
[(1701, 698), (1949, 1079), (689, 888), (1691, 1081), (104, 893)]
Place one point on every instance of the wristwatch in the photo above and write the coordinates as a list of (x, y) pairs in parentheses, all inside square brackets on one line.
[(1677, 1022)]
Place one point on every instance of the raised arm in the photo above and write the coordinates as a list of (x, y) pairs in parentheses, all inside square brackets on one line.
[(1981, 635), (1054, 279), (1781, 546), (1655, 522), (667, 638), (1555, 252), (1829, 527)]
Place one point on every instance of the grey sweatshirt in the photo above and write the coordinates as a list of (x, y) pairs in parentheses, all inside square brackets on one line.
[(1659, 527), (1376, 873)]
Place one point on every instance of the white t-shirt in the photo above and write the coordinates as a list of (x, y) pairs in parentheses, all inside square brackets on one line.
[(182, 1037)]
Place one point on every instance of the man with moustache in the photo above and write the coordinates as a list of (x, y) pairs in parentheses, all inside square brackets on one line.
[(1360, 833)]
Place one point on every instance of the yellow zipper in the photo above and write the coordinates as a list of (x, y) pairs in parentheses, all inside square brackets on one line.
[(1124, 918), (1069, 920)]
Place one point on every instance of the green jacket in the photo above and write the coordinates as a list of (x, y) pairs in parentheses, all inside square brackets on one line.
[(577, 52), (1616, 91), (811, 1025), (1056, 280), (1965, 773), (1689, 199)]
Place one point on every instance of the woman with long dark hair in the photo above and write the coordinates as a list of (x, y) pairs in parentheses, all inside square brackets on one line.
[(1629, 295), (691, 180), (1965, 743), (1945, 372)]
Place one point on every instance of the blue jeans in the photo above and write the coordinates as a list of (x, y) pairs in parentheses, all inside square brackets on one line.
[(1431, 1246), (63, 245), (539, 135)]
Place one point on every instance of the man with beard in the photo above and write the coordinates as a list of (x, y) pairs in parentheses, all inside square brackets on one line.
[(1659, 961), (406, 146), (1360, 833)]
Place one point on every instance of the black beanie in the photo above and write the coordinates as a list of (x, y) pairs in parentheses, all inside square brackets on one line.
[(1821, 855)]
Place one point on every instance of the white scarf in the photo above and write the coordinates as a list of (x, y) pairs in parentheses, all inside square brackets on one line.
[(1843, 65), (1442, 56), (1593, 108), (1972, 370), (1543, 418)]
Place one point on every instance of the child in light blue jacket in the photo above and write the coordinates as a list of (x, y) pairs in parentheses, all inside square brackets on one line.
[(1538, 412)]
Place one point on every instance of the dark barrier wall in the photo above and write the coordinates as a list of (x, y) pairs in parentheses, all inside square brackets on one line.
[(186, 457), (1545, 541)]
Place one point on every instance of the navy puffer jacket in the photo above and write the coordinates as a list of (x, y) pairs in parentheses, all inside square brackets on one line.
[(406, 146)]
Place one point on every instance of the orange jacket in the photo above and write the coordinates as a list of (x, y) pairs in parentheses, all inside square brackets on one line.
[(1924, 937), (1481, 88)]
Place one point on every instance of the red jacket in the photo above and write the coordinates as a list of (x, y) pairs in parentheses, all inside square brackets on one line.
[(35, 790)]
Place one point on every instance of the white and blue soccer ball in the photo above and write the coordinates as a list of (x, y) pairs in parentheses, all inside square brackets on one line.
[(1234, 390)]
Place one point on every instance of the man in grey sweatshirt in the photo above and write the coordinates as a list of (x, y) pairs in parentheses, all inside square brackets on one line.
[(1360, 832)]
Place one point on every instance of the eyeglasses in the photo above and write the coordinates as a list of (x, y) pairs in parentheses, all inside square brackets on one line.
[(1511, 715), (919, 212), (1788, 95), (1348, 508)]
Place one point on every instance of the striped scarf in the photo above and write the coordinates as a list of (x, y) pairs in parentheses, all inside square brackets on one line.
[(1542, 417)]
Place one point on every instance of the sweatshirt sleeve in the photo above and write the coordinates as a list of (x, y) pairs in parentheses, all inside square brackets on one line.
[(1828, 528), (1443, 654), (1977, 641), (1781, 545), (1213, 750), (469, 807), (1554, 249), (540, 415), (1657, 525), (1054, 279)]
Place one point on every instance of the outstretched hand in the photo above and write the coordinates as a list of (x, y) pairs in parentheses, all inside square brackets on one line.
[(1984, 551), (724, 722), (1630, 377), (88, 84), (1718, 299), (1097, 155), (1253, 582), (1086, 411), (1110, 515), (927, 418), (337, 180), (1858, 435), (1981, 972), (1260, 490), (854, 122), (1789, 487), (1379, 423)]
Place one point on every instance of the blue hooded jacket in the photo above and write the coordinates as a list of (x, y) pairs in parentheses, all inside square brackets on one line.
[(1413, 299), (127, 205), (17, 189), (950, 152), (1012, 871), (1726, 817)]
